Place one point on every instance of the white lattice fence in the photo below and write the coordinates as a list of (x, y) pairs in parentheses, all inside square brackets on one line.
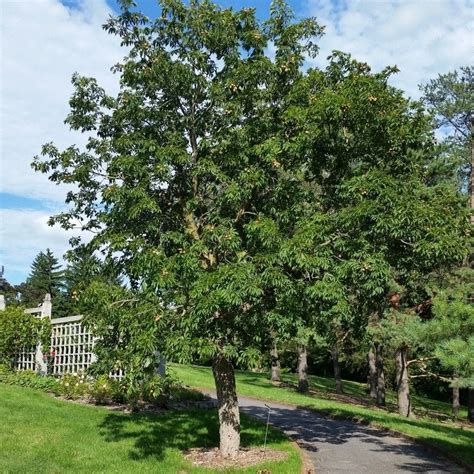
[(26, 359), (72, 345), (31, 358)]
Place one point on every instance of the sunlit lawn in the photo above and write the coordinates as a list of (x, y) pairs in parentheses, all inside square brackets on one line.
[(451, 438), (41, 434)]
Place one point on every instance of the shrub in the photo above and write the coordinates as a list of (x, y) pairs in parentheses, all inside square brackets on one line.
[(17, 330), (73, 386), (28, 378), (104, 389)]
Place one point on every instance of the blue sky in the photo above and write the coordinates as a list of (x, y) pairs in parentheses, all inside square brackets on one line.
[(45, 41)]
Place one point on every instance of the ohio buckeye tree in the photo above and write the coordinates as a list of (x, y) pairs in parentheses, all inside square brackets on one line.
[(184, 180)]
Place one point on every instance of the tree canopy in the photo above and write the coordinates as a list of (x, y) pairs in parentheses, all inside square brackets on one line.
[(243, 196)]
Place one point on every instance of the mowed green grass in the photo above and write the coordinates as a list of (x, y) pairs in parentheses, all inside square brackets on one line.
[(451, 438), (41, 434)]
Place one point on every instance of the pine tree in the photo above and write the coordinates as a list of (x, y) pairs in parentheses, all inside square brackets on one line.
[(46, 276)]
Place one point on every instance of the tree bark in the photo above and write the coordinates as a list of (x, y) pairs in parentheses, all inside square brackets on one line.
[(456, 404), (337, 367), (372, 374), (403, 382), (471, 173), (303, 384), (227, 406), (380, 375), (275, 364), (470, 405)]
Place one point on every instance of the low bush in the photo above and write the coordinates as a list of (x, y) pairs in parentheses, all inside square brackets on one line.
[(105, 389), (102, 389), (29, 378), (74, 386)]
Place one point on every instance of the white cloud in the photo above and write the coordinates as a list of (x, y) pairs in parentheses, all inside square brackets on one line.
[(43, 44), (423, 38), (23, 234)]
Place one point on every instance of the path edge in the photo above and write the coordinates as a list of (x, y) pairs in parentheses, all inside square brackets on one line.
[(429, 446)]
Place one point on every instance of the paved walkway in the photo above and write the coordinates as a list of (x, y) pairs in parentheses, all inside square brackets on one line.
[(343, 446)]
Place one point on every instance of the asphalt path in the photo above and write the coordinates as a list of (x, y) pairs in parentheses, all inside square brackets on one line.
[(344, 446)]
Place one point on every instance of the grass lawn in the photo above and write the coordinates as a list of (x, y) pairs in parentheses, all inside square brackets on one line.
[(41, 434), (448, 436)]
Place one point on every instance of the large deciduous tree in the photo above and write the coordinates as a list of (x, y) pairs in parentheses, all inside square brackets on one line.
[(185, 173)]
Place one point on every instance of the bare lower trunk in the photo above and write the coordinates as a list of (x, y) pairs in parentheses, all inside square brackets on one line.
[(456, 403), (470, 405), (227, 405), (275, 364), (372, 374), (403, 382), (380, 375), (337, 367), (303, 385)]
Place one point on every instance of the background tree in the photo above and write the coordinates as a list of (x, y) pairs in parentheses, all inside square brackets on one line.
[(451, 98), (82, 270), (46, 276)]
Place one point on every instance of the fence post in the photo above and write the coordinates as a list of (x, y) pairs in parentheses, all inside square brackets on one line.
[(160, 364), (2, 303), (41, 364)]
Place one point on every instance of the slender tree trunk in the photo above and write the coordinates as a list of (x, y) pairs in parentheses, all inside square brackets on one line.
[(227, 405), (471, 174), (303, 384), (275, 363), (470, 405), (380, 375), (456, 404), (403, 382), (337, 367), (372, 374)]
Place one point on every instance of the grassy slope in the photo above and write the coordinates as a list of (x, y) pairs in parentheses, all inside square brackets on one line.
[(42, 434), (454, 439)]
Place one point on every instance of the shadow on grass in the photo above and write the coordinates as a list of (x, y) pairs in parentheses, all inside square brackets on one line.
[(152, 435)]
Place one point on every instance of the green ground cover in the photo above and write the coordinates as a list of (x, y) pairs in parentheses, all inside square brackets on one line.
[(450, 437), (41, 434)]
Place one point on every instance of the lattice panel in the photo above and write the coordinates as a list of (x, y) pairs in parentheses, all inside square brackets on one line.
[(72, 345), (26, 359)]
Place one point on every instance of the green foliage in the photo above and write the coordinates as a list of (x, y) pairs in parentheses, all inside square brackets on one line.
[(244, 198), (451, 331), (28, 378), (104, 389), (84, 268), (46, 276), (450, 97), (19, 330), (73, 386)]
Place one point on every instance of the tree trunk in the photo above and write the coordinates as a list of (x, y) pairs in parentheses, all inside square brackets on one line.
[(337, 367), (403, 382), (227, 405), (372, 374), (275, 364), (471, 173), (303, 385), (380, 375), (456, 403), (470, 405)]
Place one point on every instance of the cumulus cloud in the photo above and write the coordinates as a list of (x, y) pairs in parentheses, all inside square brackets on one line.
[(43, 43), (423, 38), (23, 234)]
